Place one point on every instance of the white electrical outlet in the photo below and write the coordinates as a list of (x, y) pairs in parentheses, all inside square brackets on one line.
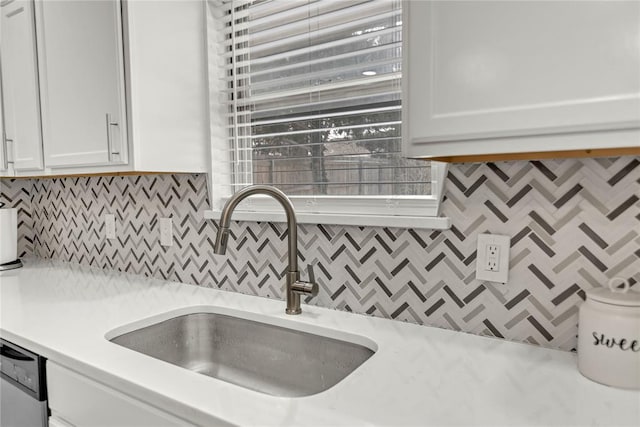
[(492, 261), (166, 232), (110, 226)]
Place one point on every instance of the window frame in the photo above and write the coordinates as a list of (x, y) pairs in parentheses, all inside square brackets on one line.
[(359, 210)]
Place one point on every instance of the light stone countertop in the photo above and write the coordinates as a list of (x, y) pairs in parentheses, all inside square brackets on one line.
[(418, 376)]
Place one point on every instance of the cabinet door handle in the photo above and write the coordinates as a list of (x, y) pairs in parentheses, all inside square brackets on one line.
[(5, 159), (110, 146), (8, 151)]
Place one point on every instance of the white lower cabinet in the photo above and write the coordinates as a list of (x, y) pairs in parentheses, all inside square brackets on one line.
[(76, 400)]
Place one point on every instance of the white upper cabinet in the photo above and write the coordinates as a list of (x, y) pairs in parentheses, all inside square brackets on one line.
[(82, 82), (168, 84), (22, 143), (4, 166), (488, 77), (123, 85)]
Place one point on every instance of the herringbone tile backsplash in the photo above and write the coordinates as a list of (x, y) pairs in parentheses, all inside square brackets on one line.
[(573, 224)]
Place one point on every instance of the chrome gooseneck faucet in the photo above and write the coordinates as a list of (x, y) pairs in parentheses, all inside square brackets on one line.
[(295, 287)]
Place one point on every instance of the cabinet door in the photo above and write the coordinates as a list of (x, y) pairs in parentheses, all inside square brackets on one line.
[(4, 166), (23, 137), (82, 79), (81, 401), (497, 76)]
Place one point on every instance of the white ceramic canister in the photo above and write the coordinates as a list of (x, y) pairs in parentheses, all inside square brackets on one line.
[(8, 235), (609, 336)]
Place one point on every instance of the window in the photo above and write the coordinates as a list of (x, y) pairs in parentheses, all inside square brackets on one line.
[(306, 96)]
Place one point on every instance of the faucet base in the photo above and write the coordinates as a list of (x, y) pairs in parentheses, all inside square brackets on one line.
[(293, 311)]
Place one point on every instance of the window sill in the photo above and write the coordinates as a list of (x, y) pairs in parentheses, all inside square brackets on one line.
[(431, 223)]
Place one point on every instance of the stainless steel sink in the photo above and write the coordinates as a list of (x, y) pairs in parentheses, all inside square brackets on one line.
[(267, 358)]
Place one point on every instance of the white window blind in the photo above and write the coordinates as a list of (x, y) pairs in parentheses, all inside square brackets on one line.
[(310, 98)]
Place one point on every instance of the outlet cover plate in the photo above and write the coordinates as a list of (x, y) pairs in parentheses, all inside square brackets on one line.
[(501, 274)]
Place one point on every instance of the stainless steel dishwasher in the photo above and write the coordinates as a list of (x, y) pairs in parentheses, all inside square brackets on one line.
[(23, 392)]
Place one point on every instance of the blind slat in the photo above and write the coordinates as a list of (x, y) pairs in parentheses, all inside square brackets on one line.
[(376, 66), (312, 62), (364, 142), (319, 116), (360, 84), (292, 112), (332, 101), (312, 131)]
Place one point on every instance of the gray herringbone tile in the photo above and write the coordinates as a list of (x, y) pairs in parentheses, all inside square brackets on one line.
[(573, 223), (16, 193)]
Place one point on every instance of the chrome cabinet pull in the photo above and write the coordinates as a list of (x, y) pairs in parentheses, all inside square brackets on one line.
[(9, 155), (110, 146), (5, 159)]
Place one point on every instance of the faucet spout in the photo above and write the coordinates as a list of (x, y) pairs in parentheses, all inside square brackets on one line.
[(294, 286)]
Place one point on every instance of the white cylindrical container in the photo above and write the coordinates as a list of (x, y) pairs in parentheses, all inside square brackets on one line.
[(8, 235), (609, 336)]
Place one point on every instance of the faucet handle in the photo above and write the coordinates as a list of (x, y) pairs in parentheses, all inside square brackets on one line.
[(305, 288), (310, 273)]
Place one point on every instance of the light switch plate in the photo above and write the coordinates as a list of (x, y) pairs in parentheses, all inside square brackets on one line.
[(166, 232), (492, 261), (110, 226)]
